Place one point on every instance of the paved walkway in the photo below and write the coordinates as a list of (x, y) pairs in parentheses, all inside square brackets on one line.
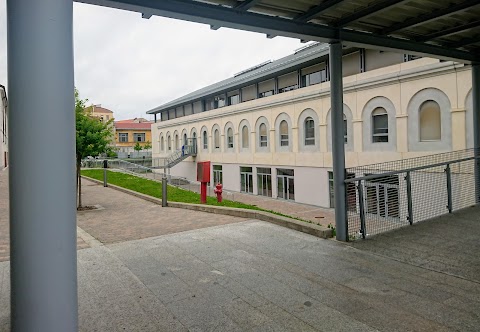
[(254, 276), (316, 214)]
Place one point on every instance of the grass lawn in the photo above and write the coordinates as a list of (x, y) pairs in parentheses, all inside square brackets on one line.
[(153, 188)]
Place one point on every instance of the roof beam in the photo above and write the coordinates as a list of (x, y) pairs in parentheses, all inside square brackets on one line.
[(246, 5), (448, 32), (368, 11), (314, 11), (464, 42), (422, 19), (195, 11)]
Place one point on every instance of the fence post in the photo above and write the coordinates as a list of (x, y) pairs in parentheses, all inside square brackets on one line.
[(164, 189), (449, 188), (361, 203), (409, 198)]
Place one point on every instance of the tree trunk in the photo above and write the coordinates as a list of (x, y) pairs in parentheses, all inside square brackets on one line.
[(79, 184)]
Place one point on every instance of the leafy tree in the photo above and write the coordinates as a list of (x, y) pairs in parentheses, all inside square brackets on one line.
[(93, 137), (147, 145), (138, 147)]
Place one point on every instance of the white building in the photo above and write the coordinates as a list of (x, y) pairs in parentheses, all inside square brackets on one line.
[(267, 130)]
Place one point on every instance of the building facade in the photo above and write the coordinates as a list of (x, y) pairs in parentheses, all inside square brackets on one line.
[(267, 130), (100, 112), (130, 132), (4, 132)]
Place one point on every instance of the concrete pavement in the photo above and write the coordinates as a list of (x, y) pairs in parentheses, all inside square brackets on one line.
[(248, 275)]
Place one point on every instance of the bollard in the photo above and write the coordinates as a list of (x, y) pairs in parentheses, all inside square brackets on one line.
[(105, 166), (164, 190)]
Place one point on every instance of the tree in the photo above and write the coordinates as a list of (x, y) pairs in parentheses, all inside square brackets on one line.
[(137, 147), (92, 138), (147, 145)]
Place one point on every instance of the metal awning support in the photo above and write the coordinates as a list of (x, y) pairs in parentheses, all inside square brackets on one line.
[(338, 143), (476, 125), (42, 193)]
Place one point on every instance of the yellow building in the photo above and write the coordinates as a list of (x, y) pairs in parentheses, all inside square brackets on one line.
[(100, 112), (129, 132)]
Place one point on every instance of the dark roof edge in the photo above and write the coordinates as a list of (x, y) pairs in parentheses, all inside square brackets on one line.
[(290, 61)]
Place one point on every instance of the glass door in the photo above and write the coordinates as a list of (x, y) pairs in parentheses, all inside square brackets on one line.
[(246, 180), (285, 184)]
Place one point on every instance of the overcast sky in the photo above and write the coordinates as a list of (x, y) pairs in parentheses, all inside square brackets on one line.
[(130, 65)]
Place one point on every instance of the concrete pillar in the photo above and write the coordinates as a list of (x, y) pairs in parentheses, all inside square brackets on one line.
[(476, 125), (42, 173), (338, 146)]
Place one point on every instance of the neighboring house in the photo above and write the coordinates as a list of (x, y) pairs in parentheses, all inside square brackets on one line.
[(4, 129), (129, 132), (100, 112), (267, 130), (104, 115)]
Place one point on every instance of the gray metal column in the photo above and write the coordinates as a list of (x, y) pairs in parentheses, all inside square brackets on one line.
[(476, 125), (42, 170), (338, 147)]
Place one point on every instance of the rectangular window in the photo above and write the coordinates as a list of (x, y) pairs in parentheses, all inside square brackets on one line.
[(263, 141), (235, 99), (123, 137), (287, 88), (246, 180), (284, 140), (139, 137), (410, 57), (164, 116), (351, 192), (217, 174), (264, 181), (314, 78), (265, 94)]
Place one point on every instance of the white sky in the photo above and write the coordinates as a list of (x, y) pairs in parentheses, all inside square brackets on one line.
[(130, 65)]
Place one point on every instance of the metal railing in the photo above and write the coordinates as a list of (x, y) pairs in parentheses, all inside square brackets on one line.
[(386, 196), (190, 149), (153, 174)]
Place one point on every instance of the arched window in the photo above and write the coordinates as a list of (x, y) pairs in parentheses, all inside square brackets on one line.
[(263, 138), (205, 140), (230, 138), (169, 143), (345, 129), (245, 140), (176, 141), (284, 133), (379, 125), (430, 122), (216, 139), (185, 139), (162, 144), (309, 131)]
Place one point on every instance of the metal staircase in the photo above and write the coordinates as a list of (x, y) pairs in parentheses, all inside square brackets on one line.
[(188, 150)]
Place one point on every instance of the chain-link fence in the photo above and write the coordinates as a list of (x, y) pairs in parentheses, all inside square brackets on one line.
[(386, 196)]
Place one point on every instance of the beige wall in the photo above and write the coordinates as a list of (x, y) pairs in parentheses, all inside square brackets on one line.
[(399, 83)]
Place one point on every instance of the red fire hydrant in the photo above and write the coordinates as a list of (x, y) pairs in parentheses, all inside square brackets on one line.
[(218, 191)]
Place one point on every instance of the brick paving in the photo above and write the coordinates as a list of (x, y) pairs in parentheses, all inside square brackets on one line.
[(316, 214), (123, 217)]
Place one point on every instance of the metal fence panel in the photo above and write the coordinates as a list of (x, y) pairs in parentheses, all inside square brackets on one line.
[(386, 196)]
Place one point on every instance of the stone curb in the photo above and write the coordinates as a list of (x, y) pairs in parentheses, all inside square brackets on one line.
[(301, 226)]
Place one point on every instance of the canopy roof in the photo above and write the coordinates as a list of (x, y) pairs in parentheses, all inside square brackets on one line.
[(442, 29)]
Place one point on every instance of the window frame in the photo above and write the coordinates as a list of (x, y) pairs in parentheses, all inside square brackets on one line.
[(123, 137)]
